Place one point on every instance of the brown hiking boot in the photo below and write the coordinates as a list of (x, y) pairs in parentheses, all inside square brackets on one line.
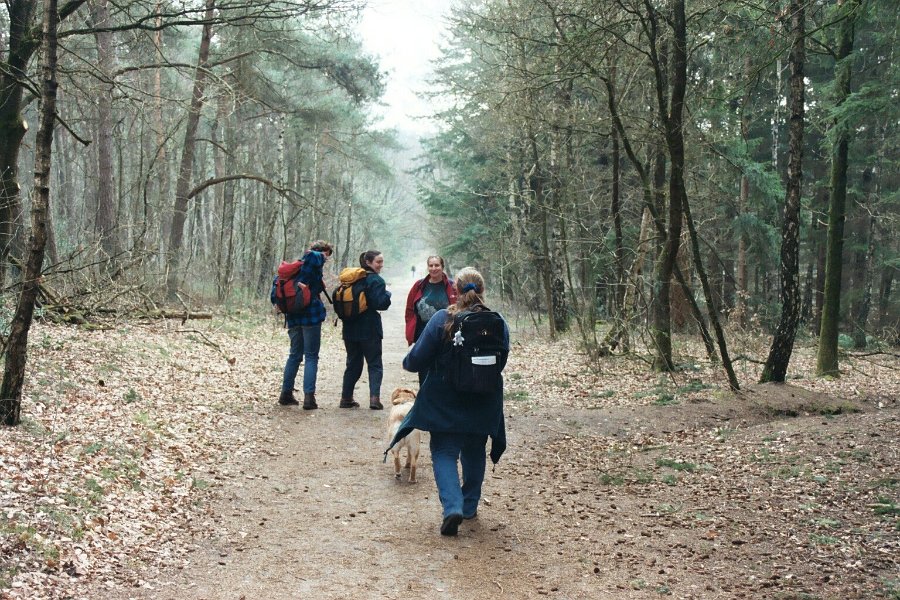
[(309, 401), (348, 403), (375, 403)]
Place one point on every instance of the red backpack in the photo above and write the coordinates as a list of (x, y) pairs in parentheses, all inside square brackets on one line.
[(292, 296)]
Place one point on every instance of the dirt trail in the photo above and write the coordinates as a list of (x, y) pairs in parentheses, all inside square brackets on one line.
[(777, 492), (323, 517)]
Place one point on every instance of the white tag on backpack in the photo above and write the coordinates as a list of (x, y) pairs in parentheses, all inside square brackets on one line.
[(484, 360)]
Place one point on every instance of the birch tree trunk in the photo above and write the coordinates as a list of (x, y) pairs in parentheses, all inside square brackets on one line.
[(776, 365)]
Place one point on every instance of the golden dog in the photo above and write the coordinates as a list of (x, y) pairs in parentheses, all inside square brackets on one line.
[(402, 400)]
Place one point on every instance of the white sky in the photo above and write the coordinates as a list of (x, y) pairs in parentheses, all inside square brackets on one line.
[(404, 35)]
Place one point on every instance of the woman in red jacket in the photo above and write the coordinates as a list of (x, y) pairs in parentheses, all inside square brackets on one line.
[(427, 296)]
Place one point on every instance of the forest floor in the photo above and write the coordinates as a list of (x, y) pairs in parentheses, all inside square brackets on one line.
[(153, 462)]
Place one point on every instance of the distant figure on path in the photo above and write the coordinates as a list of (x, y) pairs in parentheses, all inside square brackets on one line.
[(427, 296), (363, 334), (305, 329), (460, 422)]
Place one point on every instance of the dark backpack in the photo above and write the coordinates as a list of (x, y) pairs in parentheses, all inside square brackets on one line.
[(349, 298), (292, 296), (478, 352)]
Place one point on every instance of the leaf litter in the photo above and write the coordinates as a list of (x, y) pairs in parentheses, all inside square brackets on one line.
[(634, 484)]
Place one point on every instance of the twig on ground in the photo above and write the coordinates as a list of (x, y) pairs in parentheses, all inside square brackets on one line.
[(208, 342), (748, 359)]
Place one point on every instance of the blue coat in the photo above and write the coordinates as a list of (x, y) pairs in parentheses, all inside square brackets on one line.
[(367, 326), (311, 275), (438, 407)]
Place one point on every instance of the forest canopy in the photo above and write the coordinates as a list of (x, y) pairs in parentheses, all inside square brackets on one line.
[(624, 169)]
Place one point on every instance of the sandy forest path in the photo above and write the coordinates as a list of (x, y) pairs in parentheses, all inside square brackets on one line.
[(618, 483), (320, 516)]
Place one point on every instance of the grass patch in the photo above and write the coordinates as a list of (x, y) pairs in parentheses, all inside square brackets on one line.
[(677, 465), (824, 540), (611, 479), (886, 506), (560, 383), (516, 395), (826, 522), (787, 472), (886, 482), (665, 400), (694, 386), (643, 477)]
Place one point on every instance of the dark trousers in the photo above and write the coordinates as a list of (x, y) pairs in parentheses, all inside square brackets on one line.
[(370, 351)]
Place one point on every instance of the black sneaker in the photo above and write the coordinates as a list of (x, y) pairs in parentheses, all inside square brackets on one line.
[(451, 524), (470, 517)]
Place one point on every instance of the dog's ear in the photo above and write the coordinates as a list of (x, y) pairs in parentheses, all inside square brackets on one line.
[(395, 393)]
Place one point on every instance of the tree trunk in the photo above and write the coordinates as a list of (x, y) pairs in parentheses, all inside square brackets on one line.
[(17, 343), (12, 125), (863, 306), (186, 170), (615, 209), (675, 145), (827, 358), (654, 198), (776, 365), (741, 293), (105, 224), (710, 301)]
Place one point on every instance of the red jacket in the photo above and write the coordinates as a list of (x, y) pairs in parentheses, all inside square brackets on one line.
[(415, 294)]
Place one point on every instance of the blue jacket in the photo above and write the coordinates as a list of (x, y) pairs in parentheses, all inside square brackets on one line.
[(367, 326), (311, 275), (438, 407)]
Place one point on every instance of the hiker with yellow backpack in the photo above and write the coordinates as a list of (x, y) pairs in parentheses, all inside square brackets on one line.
[(361, 294)]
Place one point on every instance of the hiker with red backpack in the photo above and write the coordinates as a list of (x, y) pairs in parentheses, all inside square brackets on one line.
[(295, 293)]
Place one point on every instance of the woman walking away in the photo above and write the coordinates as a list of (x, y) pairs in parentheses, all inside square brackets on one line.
[(464, 349), (363, 334), (427, 296), (305, 329)]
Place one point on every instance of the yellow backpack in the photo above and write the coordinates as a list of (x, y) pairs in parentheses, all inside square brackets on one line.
[(349, 298)]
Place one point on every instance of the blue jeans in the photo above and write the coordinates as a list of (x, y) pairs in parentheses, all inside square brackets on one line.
[(469, 450), (305, 342), (370, 350)]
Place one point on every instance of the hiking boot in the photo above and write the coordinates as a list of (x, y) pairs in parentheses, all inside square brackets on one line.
[(309, 401), (375, 403), (451, 524), (348, 403), (287, 399)]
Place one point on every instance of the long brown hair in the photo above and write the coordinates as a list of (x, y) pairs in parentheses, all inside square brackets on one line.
[(470, 292)]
